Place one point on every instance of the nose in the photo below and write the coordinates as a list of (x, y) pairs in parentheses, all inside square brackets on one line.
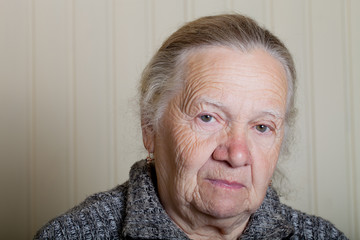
[(235, 151)]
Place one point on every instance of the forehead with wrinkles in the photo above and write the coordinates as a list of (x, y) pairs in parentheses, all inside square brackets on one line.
[(218, 73)]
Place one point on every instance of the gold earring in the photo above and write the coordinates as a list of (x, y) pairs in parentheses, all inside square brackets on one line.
[(150, 158)]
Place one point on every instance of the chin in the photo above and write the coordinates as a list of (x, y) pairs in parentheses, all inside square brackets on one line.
[(227, 208)]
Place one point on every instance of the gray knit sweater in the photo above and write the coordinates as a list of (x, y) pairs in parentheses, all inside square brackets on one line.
[(133, 211)]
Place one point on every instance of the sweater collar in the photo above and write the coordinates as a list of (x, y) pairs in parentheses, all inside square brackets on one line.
[(145, 216), (147, 219), (268, 222)]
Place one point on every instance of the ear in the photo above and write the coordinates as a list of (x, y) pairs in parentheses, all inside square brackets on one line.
[(148, 137)]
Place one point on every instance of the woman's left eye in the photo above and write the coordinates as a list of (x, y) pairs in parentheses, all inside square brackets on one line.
[(206, 118), (262, 128)]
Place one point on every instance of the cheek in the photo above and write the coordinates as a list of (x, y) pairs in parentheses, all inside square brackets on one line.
[(191, 149), (185, 143), (265, 153), (190, 156)]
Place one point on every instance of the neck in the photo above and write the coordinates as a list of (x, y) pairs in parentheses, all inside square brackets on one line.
[(198, 225)]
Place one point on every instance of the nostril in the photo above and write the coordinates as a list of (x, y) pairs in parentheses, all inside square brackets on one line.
[(220, 153)]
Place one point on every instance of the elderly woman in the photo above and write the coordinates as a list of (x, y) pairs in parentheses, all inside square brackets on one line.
[(217, 103)]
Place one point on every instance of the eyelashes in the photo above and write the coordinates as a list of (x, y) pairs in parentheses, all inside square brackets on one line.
[(212, 122), (209, 122)]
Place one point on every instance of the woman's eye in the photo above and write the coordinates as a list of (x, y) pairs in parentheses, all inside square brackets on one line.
[(206, 118), (262, 128)]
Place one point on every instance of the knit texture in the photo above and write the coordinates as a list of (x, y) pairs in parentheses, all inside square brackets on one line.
[(133, 211)]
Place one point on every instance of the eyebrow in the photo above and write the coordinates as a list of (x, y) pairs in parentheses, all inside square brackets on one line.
[(273, 113), (206, 100), (270, 112)]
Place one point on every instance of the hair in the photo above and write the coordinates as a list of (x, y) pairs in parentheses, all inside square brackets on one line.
[(164, 76)]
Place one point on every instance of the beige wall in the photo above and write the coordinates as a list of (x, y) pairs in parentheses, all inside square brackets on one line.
[(68, 120)]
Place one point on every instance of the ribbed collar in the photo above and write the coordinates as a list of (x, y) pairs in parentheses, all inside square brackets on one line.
[(145, 216), (268, 222), (147, 219)]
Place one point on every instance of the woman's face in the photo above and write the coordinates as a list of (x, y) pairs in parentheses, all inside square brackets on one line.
[(219, 140)]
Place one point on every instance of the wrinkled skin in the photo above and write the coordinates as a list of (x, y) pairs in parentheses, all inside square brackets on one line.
[(219, 141)]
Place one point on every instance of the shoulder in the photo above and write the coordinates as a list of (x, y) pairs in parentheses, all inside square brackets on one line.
[(100, 215), (308, 226), (275, 220)]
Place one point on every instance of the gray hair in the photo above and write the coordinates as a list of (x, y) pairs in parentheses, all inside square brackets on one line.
[(164, 76)]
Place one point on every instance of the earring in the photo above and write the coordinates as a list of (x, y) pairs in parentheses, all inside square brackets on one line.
[(150, 158)]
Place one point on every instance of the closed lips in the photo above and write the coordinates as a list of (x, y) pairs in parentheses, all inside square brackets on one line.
[(226, 184)]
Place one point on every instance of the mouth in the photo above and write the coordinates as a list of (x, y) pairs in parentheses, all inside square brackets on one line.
[(226, 184)]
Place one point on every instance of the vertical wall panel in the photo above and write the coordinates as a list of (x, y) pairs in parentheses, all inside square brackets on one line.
[(168, 15), (111, 92), (14, 126), (188, 10), (50, 110), (348, 83), (289, 27), (354, 61), (132, 53), (254, 9), (209, 7), (330, 119), (91, 95), (71, 158), (308, 124)]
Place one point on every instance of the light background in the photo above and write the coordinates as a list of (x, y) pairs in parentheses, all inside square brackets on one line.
[(68, 110)]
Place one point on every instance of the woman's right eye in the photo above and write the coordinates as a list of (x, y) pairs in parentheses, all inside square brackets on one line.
[(206, 118)]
